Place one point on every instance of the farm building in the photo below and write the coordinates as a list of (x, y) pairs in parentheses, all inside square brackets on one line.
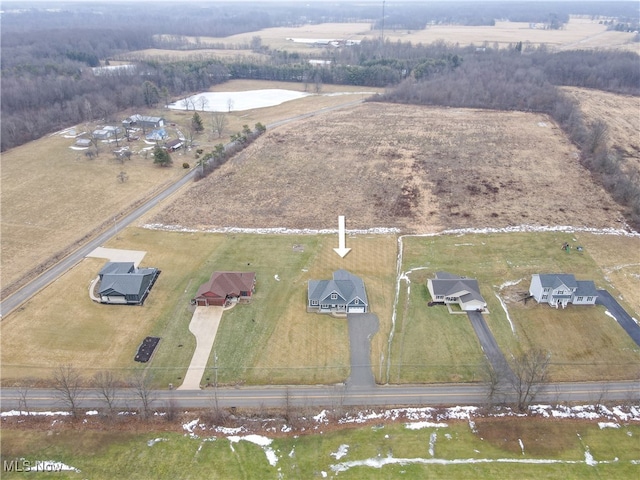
[(143, 121), (83, 142), (345, 293), (448, 288), (107, 132), (124, 284), (224, 288), (558, 289), (173, 145)]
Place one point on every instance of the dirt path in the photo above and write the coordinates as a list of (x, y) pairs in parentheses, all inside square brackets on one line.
[(204, 326)]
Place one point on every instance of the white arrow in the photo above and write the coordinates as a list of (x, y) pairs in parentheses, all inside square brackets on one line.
[(342, 250)]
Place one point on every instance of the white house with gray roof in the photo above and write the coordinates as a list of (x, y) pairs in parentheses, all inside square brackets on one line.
[(123, 283), (448, 288), (560, 289), (345, 293)]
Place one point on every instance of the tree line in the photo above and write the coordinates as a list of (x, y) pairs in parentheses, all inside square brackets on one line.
[(510, 80)]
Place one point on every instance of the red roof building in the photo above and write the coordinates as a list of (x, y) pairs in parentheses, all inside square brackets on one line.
[(226, 287)]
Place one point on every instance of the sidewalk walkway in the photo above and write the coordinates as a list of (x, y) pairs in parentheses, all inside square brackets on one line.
[(204, 325)]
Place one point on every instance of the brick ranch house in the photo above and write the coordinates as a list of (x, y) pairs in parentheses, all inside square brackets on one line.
[(224, 288)]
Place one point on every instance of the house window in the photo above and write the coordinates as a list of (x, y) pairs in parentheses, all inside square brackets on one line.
[(544, 297), (334, 296), (579, 299), (546, 289), (589, 299), (356, 301), (560, 292), (314, 302), (439, 297), (324, 307)]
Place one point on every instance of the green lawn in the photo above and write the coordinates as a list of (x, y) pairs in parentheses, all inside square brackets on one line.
[(584, 342), (552, 449)]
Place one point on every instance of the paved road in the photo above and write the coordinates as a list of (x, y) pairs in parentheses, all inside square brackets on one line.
[(620, 314), (328, 396), (362, 327), (25, 293), (490, 347)]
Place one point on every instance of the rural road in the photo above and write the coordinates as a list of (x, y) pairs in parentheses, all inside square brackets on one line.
[(379, 396), (34, 286)]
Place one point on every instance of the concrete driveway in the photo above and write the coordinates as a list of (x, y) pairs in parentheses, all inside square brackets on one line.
[(204, 326)]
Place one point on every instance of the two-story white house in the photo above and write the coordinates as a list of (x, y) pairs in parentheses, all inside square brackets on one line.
[(560, 289)]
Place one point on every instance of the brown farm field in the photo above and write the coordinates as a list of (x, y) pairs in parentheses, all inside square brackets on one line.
[(583, 33), (419, 169)]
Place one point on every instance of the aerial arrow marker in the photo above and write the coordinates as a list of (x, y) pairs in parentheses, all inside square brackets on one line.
[(342, 250)]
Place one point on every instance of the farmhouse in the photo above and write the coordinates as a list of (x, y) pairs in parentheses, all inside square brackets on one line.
[(558, 289), (143, 121), (224, 288), (448, 288), (344, 294), (123, 283)]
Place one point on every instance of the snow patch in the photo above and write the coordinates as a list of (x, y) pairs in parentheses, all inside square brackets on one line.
[(432, 443), (608, 425), (270, 230), (261, 441), (152, 442), (342, 451), (506, 312), (421, 425)]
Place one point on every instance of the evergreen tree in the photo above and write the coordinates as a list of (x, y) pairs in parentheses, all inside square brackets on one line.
[(161, 157)]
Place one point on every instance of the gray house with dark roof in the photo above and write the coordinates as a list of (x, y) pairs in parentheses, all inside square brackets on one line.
[(448, 288), (345, 293), (124, 284), (560, 289)]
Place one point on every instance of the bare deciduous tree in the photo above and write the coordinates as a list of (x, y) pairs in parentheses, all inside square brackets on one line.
[(219, 122), (67, 382), (105, 384), (203, 102), (141, 385), (530, 372)]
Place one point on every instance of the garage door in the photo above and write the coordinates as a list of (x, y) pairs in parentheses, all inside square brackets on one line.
[(356, 309)]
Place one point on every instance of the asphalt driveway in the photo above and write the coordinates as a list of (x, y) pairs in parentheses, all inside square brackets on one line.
[(620, 314), (362, 327), (490, 346)]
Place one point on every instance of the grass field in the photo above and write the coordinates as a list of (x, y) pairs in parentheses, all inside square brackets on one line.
[(498, 448), (274, 340), (584, 342), (271, 340)]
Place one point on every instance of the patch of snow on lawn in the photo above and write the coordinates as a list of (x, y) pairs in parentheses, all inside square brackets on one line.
[(432, 443), (506, 312), (261, 441), (152, 442), (521, 445), (19, 413), (342, 451), (588, 458), (270, 230), (230, 431), (608, 425), (420, 425)]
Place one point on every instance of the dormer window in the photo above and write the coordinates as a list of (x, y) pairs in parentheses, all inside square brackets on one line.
[(334, 296)]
